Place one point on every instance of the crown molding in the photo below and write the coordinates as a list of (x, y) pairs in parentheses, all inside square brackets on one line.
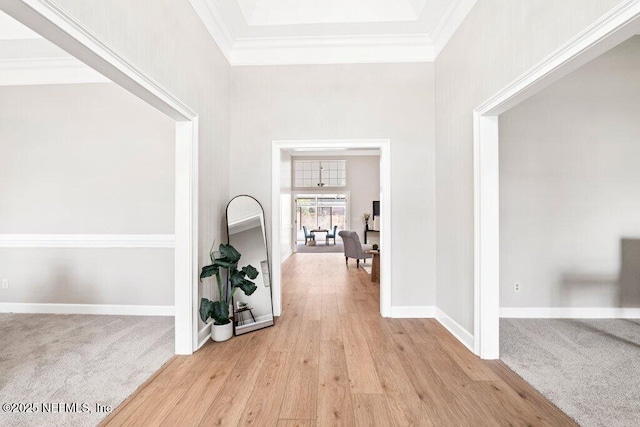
[(331, 49), (213, 20), (43, 71), (449, 22)]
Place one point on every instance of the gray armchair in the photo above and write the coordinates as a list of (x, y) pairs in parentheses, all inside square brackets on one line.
[(353, 248)]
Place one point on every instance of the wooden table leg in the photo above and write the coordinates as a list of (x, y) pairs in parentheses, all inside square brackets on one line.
[(375, 268)]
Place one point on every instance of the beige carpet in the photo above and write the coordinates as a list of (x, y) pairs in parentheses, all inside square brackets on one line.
[(76, 359), (319, 248), (588, 368)]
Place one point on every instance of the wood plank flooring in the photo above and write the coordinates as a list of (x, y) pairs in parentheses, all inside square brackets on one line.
[(332, 360)]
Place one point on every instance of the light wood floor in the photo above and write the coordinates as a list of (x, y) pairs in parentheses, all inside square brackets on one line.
[(332, 360)]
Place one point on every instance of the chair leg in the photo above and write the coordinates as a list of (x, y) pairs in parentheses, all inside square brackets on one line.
[(346, 260), (358, 263)]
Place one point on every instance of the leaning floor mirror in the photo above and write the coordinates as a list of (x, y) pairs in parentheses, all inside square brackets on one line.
[(246, 231)]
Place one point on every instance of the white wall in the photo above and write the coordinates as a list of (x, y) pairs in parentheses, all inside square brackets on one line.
[(88, 276), (85, 159), (569, 186), (363, 179), (167, 40), (497, 42), (362, 101)]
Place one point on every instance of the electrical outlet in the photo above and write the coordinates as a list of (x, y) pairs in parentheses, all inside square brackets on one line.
[(516, 287), (5, 283)]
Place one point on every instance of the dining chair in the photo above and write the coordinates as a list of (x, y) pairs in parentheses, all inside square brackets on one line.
[(308, 236), (332, 235)]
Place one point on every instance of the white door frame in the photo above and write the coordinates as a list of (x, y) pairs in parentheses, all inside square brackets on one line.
[(384, 145), (610, 30), (52, 22)]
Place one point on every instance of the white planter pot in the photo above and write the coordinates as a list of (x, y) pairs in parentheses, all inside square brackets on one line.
[(221, 333)]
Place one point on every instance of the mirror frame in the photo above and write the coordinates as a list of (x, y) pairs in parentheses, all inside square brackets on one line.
[(264, 232)]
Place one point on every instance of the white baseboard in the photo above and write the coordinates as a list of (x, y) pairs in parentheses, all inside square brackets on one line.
[(285, 256), (413, 311), (120, 310), (204, 334), (569, 313), (456, 330)]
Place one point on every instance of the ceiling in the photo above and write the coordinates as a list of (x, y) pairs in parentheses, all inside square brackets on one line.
[(252, 32), (255, 32)]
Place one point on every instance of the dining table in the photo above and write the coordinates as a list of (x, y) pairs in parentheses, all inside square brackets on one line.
[(322, 230)]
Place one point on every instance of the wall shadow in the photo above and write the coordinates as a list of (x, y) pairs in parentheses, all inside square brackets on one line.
[(629, 283), (577, 285)]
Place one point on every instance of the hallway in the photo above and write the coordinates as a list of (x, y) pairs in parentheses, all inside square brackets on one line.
[(331, 359)]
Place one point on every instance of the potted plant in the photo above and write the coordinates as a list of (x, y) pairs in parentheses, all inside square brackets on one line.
[(222, 328), (365, 218)]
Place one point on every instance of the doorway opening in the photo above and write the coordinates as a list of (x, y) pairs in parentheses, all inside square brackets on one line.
[(333, 211), (66, 32), (609, 31)]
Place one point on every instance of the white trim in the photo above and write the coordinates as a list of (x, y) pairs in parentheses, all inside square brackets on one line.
[(87, 241), (54, 23), (449, 22), (186, 229), (608, 31), (245, 223), (333, 50), (486, 223), (347, 49), (106, 309), (47, 71), (286, 256), (213, 20), (456, 330), (385, 197), (413, 311), (569, 313), (204, 334), (62, 29)]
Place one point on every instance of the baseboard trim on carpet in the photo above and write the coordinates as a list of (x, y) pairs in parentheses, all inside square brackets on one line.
[(119, 310), (569, 313), (413, 311), (456, 330)]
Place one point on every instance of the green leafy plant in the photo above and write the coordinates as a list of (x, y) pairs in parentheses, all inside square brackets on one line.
[(375, 247), (237, 279)]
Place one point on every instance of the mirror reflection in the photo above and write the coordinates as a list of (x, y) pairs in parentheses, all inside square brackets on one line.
[(246, 231)]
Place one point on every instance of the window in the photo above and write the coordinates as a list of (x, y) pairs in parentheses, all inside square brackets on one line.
[(320, 173), (321, 212)]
